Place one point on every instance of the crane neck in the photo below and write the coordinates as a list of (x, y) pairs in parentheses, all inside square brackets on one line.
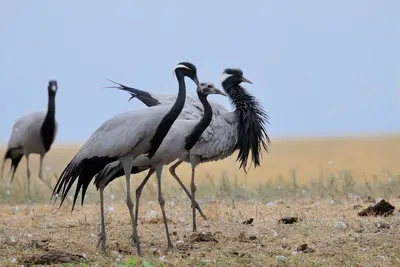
[(169, 118), (47, 130), (198, 130)]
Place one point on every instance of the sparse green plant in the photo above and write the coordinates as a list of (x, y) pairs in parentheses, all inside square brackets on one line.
[(131, 262)]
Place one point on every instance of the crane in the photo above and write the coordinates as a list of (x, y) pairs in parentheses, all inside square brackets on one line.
[(33, 133), (242, 130), (182, 136), (124, 137)]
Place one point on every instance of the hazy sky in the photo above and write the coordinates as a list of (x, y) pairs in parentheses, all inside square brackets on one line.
[(318, 67)]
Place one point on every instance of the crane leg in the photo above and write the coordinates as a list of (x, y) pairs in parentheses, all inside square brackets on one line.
[(2, 169), (162, 203), (102, 236), (127, 163), (28, 176), (138, 194), (41, 173), (193, 188), (172, 170)]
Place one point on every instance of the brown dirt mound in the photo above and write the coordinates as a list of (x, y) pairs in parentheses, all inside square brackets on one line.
[(52, 257), (382, 208)]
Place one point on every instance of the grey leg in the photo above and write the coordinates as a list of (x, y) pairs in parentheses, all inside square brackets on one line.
[(193, 188), (102, 184), (2, 170), (172, 170), (102, 237), (162, 203), (28, 175), (41, 172), (127, 163), (138, 194)]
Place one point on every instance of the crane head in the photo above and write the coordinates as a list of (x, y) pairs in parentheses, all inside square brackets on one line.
[(52, 88), (189, 70), (208, 88), (232, 76)]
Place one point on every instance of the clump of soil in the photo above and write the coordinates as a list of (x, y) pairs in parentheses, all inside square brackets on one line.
[(52, 257), (304, 248), (289, 220), (203, 237), (160, 220), (249, 221), (382, 208), (243, 238)]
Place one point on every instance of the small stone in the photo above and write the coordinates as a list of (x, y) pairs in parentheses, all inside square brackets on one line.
[(340, 225), (152, 214), (280, 258), (382, 225)]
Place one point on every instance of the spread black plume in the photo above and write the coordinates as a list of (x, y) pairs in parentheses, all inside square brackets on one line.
[(143, 96), (251, 128)]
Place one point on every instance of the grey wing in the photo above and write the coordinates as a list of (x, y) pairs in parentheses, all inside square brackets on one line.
[(55, 131), (218, 140), (26, 127), (120, 134)]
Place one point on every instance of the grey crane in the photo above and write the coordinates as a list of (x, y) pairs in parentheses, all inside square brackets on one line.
[(33, 133), (124, 137), (242, 130), (182, 136)]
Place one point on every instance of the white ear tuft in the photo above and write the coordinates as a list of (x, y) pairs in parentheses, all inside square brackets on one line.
[(181, 66), (225, 76)]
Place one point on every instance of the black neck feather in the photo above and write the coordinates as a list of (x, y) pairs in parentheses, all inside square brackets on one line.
[(251, 127), (47, 130), (194, 136), (169, 118)]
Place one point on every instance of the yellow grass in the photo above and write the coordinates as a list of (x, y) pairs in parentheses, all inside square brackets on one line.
[(362, 155)]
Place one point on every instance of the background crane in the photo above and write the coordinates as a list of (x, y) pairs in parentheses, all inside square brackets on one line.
[(33, 133)]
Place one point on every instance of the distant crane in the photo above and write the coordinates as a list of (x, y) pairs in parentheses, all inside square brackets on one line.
[(182, 136), (33, 133), (243, 129), (125, 137)]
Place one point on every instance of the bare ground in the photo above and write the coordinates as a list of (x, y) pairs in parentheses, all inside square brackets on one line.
[(335, 235)]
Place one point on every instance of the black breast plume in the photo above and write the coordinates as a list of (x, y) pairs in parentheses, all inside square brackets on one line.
[(251, 128)]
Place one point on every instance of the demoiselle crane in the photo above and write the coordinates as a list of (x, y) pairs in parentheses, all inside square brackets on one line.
[(33, 133), (182, 136), (242, 130), (124, 137)]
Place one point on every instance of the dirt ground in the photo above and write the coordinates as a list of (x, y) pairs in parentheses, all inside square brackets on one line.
[(335, 235)]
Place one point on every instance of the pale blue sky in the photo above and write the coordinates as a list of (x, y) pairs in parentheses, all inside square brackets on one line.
[(318, 67)]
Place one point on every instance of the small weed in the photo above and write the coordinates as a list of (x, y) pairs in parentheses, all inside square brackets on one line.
[(131, 262)]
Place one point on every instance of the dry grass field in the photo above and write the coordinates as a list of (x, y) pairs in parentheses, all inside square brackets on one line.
[(324, 183)]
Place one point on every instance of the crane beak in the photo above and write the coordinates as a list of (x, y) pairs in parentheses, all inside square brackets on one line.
[(246, 80), (196, 81), (219, 92)]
